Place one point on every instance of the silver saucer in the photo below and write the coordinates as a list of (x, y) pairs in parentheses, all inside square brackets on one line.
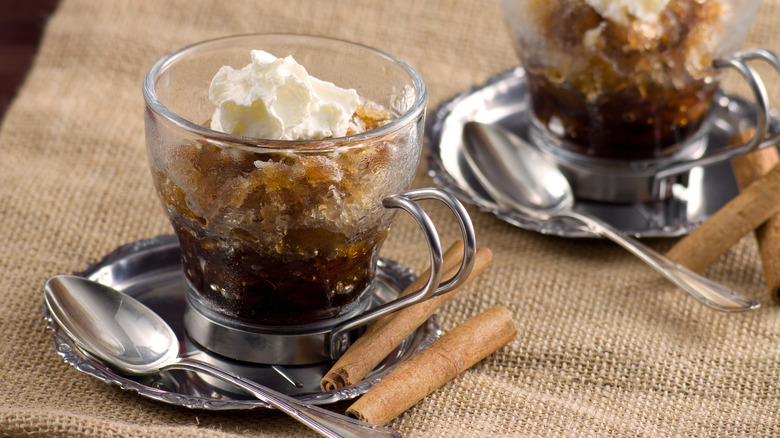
[(150, 271), (503, 101)]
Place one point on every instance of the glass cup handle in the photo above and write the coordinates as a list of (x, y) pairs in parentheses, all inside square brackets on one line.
[(407, 201), (739, 62)]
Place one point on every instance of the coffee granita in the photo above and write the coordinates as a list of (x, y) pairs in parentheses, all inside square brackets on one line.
[(621, 79), (284, 234)]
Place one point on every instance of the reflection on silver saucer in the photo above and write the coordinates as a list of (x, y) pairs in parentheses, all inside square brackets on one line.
[(150, 271), (503, 101)]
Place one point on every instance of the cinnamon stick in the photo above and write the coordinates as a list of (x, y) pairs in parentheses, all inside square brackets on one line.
[(743, 214), (435, 365), (386, 334), (747, 169)]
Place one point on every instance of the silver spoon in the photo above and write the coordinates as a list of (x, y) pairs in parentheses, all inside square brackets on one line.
[(517, 176), (133, 339)]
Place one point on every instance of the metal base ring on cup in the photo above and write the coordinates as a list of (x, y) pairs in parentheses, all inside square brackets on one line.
[(298, 345), (606, 180)]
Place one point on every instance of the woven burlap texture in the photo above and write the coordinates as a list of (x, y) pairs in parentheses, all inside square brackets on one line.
[(605, 346)]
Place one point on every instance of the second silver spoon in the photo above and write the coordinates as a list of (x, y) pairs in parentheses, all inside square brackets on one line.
[(519, 177)]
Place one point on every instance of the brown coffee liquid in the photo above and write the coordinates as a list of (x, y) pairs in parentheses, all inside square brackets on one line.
[(280, 289), (622, 125)]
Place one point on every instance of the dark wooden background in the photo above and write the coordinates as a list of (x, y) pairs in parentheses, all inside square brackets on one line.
[(21, 25)]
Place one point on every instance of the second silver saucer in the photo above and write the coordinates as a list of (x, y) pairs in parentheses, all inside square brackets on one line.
[(503, 101)]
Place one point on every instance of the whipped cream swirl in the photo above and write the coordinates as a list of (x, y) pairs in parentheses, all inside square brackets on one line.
[(276, 99), (625, 11)]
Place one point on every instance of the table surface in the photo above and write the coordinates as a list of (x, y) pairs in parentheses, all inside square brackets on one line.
[(605, 346)]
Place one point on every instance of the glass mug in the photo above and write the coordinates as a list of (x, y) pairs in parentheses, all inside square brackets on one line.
[(280, 239), (604, 91)]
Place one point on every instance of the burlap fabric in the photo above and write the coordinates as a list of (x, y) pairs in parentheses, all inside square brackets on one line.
[(605, 346)]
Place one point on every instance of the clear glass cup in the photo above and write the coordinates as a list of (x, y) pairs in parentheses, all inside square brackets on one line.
[(280, 233), (623, 90)]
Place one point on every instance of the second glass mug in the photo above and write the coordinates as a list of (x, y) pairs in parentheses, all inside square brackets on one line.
[(629, 100), (280, 239)]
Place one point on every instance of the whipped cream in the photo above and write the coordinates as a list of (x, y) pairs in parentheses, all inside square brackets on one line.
[(276, 99), (626, 11)]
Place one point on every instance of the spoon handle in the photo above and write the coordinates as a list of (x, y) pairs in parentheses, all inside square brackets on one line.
[(705, 290), (327, 423)]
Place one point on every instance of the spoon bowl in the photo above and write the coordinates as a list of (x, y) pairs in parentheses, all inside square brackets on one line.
[(524, 179), (520, 177), (118, 329), (131, 338)]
